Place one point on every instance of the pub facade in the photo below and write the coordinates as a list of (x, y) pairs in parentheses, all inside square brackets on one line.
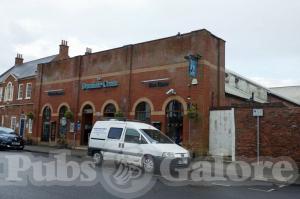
[(170, 82)]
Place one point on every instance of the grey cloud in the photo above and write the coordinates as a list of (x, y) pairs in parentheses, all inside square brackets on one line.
[(262, 35)]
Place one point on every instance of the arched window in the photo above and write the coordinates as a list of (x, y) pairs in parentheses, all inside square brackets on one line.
[(46, 130), (143, 112), (109, 110), (9, 92), (47, 114), (174, 119), (62, 120)]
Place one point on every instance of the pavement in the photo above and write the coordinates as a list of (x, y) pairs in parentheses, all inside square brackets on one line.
[(221, 166), (77, 152)]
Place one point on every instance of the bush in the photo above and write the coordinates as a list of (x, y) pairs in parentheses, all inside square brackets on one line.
[(119, 114)]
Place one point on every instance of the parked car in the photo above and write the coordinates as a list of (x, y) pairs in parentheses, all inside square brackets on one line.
[(134, 143), (10, 140)]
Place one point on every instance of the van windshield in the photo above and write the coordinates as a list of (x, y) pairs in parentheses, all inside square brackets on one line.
[(156, 137)]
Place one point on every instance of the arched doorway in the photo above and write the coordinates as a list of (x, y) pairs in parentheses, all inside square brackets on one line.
[(143, 112), (174, 121), (46, 129), (87, 123), (62, 129), (109, 110)]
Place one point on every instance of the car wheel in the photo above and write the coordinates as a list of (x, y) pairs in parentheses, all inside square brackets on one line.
[(148, 164), (98, 158)]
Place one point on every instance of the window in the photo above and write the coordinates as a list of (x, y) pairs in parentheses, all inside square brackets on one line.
[(109, 110), (28, 90), (143, 112), (132, 136), (1, 93), (9, 92), (13, 123), (115, 133), (29, 125), (20, 92), (155, 136), (62, 124)]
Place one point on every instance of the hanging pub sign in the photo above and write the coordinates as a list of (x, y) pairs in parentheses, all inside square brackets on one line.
[(193, 65), (98, 85)]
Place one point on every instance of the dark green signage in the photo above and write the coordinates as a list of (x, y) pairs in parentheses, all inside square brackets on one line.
[(98, 85)]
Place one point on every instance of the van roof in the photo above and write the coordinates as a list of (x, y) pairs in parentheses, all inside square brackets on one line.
[(131, 124)]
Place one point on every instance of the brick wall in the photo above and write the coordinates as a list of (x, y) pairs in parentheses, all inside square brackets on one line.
[(17, 107), (279, 131)]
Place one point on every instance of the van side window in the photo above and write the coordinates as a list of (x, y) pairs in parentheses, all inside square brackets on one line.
[(115, 133), (144, 141), (132, 136)]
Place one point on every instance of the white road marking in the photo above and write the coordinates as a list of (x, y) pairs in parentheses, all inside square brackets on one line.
[(262, 190), (281, 186)]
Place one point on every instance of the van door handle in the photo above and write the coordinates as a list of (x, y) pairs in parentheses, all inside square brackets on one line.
[(120, 145)]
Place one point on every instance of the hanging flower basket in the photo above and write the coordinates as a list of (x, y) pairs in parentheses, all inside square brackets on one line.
[(69, 115), (192, 112), (30, 115)]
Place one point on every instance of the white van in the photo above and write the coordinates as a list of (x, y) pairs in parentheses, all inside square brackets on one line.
[(134, 143)]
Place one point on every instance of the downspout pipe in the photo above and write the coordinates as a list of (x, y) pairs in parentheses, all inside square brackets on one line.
[(218, 74)]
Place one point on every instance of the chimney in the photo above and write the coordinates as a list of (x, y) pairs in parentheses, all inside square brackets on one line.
[(19, 59), (63, 50), (88, 51)]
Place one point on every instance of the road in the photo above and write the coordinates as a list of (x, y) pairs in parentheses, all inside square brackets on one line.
[(102, 187)]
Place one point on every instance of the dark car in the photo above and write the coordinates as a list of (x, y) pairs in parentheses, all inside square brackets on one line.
[(10, 140)]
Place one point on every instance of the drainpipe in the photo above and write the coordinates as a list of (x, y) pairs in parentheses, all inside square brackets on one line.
[(78, 86), (78, 98), (39, 104), (130, 80), (218, 74)]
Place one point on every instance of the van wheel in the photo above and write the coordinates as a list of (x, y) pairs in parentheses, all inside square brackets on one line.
[(148, 164), (98, 158)]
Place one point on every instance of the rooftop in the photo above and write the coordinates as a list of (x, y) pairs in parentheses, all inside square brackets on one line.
[(25, 70)]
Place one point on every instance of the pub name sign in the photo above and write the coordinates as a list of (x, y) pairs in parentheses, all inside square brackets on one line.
[(98, 85)]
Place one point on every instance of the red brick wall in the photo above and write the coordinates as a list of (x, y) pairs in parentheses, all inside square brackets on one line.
[(279, 132), (273, 99), (231, 100), (17, 107)]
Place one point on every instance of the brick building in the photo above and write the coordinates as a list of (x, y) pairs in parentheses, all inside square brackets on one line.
[(17, 89), (155, 81)]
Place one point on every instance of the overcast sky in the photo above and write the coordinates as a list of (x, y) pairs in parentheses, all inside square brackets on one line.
[(262, 36)]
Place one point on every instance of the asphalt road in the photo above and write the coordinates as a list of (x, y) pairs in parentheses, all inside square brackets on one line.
[(110, 183)]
